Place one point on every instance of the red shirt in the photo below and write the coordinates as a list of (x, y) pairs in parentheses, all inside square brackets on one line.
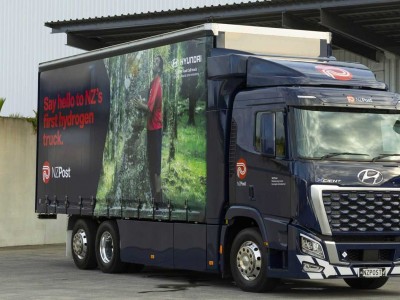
[(154, 120)]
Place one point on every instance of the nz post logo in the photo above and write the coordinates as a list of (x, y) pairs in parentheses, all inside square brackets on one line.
[(334, 72), (46, 173), (241, 169), (58, 172)]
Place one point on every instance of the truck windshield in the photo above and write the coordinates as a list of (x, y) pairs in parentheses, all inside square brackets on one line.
[(347, 135)]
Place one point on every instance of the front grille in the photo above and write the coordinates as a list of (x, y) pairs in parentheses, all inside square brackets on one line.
[(357, 255), (366, 211)]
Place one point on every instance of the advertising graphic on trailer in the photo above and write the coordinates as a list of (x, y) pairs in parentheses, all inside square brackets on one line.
[(128, 131)]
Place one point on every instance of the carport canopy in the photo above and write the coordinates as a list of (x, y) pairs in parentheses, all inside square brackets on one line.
[(364, 27)]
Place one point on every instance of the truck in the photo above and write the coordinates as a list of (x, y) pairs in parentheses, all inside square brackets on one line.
[(245, 151)]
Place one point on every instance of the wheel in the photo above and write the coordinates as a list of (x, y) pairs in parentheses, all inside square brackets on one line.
[(82, 244), (248, 260), (366, 283), (107, 248)]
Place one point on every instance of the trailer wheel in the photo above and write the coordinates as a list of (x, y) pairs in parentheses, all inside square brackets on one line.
[(248, 262), (107, 248), (366, 283), (82, 244)]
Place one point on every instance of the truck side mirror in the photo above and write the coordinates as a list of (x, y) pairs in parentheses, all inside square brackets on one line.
[(267, 132)]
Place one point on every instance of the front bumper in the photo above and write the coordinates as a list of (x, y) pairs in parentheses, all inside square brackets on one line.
[(334, 271), (342, 260)]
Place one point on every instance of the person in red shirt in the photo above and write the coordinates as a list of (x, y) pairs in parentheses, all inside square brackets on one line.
[(153, 108)]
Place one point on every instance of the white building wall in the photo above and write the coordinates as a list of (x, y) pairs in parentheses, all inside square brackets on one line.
[(386, 69), (19, 224), (25, 41)]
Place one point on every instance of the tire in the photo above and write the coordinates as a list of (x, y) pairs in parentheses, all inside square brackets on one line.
[(248, 260), (107, 248), (83, 244), (366, 283)]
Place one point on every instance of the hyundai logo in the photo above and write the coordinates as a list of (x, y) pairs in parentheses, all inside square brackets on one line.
[(370, 176)]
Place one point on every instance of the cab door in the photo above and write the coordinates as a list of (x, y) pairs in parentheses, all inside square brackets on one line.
[(262, 176)]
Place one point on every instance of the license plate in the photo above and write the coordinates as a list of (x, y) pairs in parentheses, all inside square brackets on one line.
[(372, 272)]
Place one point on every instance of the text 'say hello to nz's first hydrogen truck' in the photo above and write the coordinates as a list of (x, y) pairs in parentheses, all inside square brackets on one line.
[(241, 150)]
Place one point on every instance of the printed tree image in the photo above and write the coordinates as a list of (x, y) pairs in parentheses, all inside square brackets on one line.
[(125, 178), (192, 88), (124, 157)]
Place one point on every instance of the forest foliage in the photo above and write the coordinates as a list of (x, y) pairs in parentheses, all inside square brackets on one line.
[(125, 171)]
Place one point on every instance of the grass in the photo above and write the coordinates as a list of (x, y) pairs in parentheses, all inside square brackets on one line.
[(184, 178)]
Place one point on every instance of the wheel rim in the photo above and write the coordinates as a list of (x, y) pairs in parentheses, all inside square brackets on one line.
[(106, 247), (248, 260), (79, 244)]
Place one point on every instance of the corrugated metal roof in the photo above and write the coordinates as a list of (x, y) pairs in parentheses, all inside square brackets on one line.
[(149, 14), (237, 5), (361, 26)]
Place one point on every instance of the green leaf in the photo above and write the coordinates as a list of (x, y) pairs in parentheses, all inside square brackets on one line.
[(2, 100)]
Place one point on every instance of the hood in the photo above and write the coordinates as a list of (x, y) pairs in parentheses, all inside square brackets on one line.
[(363, 174)]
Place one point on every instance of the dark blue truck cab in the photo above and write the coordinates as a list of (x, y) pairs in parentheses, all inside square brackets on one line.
[(314, 168)]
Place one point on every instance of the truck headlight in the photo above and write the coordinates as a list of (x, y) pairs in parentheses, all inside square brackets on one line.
[(312, 247)]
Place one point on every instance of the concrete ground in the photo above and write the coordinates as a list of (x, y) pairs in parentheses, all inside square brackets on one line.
[(44, 272)]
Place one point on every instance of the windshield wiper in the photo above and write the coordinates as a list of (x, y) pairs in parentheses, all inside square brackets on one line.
[(383, 155), (329, 155)]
